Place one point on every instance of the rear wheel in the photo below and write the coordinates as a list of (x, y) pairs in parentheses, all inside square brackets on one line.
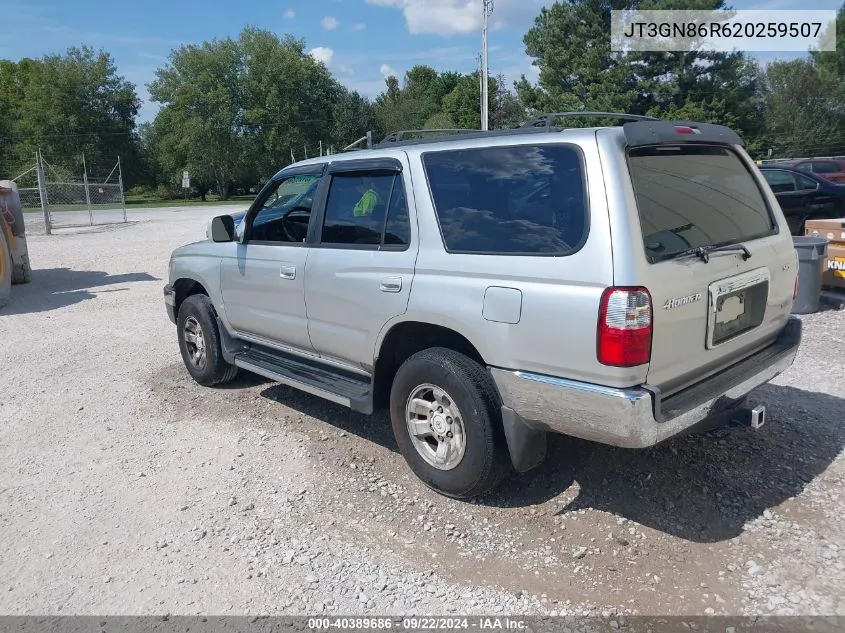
[(446, 417), (199, 342)]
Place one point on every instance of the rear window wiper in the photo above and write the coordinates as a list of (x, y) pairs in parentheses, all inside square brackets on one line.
[(704, 251)]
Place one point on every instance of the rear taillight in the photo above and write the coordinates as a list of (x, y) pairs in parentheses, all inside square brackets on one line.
[(624, 328)]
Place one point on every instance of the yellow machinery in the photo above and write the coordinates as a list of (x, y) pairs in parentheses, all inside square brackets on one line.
[(14, 257)]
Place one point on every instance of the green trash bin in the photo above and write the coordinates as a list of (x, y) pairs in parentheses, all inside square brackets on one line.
[(811, 255)]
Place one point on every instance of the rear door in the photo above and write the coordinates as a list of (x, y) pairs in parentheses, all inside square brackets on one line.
[(709, 311)]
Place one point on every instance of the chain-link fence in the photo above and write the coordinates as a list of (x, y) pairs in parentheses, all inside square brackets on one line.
[(58, 199)]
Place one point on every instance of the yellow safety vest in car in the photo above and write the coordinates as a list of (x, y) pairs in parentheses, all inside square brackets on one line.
[(366, 204)]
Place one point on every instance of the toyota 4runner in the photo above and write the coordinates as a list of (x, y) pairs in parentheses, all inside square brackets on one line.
[(621, 284)]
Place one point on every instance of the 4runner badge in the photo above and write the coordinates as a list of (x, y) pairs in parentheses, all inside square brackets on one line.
[(681, 301)]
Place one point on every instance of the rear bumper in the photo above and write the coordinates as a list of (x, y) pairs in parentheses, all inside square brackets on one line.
[(638, 417), (170, 302)]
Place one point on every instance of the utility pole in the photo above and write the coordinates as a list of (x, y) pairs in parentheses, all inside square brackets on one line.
[(486, 11), (42, 193), (87, 190)]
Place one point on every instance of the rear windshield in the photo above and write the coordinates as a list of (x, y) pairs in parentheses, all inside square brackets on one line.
[(515, 200), (692, 196)]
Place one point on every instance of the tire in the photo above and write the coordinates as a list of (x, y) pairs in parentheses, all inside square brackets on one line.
[(22, 272), (5, 269), (476, 460), (203, 356)]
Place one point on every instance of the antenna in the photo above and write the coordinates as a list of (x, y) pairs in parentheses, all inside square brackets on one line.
[(486, 12)]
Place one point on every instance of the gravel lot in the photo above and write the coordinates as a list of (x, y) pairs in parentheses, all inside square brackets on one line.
[(125, 488)]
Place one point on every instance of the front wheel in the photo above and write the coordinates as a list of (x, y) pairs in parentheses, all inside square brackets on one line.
[(199, 342), (446, 416)]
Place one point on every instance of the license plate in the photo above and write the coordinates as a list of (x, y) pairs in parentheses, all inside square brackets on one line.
[(737, 305)]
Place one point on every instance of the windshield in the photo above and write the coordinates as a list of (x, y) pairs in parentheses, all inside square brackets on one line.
[(693, 196)]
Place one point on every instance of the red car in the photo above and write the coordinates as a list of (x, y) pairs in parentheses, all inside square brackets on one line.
[(830, 168)]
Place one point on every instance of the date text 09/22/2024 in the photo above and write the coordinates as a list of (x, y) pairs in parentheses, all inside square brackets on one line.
[(418, 624)]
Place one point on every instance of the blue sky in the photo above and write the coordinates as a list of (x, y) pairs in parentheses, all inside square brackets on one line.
[(362, 41)]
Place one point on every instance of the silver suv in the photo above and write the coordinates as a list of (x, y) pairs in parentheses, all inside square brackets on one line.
[(621, 284)]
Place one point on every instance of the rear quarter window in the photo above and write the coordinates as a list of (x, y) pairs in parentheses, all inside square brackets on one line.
[(516, 200)]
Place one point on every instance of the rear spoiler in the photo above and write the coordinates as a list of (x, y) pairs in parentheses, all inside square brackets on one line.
[(639, 133)]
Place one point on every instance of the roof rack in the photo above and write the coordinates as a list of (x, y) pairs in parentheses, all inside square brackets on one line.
[(353, 146), (546, 120), (540, 123), (395, 137)]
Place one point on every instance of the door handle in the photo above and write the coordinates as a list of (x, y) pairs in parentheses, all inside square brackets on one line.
[(391, 284), (287, 272)]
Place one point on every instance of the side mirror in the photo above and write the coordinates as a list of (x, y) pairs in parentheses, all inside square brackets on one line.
[(222, 229)]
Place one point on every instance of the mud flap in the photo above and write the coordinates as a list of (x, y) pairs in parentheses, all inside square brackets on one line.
[(229, 346), (526, 445)]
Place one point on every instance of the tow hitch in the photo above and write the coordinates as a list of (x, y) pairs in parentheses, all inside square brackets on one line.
[(753, 418)]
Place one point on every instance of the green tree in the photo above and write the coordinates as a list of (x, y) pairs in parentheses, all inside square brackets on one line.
[(571, 48), (439, 121), (69, 105), (290, 99), (431, 100), (579, 71), (200, 126), (833, 62), (803, 110), (354, 116), (506, 110), (394, 111), (234, 109)]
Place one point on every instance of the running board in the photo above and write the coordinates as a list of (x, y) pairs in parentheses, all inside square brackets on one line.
[(311, 376)]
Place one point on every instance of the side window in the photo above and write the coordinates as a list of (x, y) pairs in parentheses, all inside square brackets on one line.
[(779, 181), (523, 199), (805, 184), (804, 166), (824, 167), (286, 211), (361, 205)]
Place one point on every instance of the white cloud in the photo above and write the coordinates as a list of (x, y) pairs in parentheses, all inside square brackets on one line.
[(322, 54), (290, 14), (360, 26), (330, 23), (386, 71), (454, 17)]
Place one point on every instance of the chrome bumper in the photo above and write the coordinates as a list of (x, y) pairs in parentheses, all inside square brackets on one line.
[(638, 417)]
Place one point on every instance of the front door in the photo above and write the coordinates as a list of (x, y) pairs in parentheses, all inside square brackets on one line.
[(262, 282), (360, 270)]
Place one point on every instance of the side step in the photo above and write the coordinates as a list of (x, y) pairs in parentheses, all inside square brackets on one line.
[(334, 384)]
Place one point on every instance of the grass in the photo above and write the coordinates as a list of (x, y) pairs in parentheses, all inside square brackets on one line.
[(150, 204)]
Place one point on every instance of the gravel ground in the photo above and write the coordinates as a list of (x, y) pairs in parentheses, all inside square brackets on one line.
[(125, 488)]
